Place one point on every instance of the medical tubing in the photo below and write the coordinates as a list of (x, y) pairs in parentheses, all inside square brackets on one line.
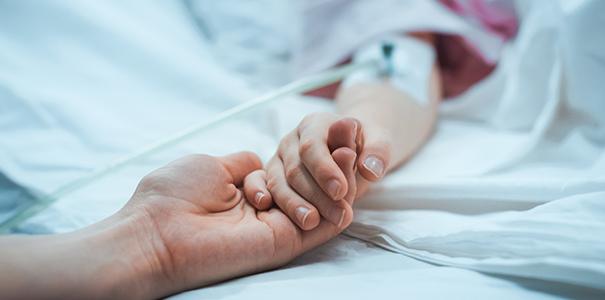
[(300, 86)]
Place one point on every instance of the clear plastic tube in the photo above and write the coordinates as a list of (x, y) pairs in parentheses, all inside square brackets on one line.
[(297, 87)]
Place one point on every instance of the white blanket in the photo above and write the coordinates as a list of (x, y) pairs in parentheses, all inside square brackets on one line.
[(555, 155), (511, 183)]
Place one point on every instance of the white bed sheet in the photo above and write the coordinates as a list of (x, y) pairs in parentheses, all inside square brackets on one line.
[(73, 104), (346, 268)]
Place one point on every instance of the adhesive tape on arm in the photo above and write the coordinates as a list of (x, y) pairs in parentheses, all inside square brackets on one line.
[(411, 64)]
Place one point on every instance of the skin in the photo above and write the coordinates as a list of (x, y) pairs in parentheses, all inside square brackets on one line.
[(187, 225), (383, 125)]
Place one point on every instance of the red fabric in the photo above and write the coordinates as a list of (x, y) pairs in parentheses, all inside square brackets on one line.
[(461, 65), (496, 16)]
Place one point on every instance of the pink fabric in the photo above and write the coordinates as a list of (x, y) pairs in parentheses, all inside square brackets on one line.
[(496, 16), (462, 65)]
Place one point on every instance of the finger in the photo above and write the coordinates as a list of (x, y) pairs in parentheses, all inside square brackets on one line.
[(343, 133), (255, 189), (374, 159), (304, 185), (286, 233), (303, 214), (240, 164), (362, 185), (200, 179), (324, 231), (316, 157), (290, 240), (345, 159)]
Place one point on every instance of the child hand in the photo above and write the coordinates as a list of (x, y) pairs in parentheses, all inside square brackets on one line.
[(306, 214), (314, 169)]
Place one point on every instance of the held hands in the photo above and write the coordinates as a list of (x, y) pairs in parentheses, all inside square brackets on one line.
[(202, 211), (188, 224), (307, 178), (204, 231)]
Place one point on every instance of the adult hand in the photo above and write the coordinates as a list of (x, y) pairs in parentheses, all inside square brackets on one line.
[(187, 225), (204, 231)]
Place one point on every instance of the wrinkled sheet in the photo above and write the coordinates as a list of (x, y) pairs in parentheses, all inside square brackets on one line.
[(553, 161), (512, 166)]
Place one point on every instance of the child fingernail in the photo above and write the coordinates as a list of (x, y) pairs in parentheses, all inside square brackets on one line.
[(374, 165), (258, 197), (333, 188), (302, 213), (337, 216)]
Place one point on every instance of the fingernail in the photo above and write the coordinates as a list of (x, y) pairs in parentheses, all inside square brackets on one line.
[(258, 197), (337, 216), (374, 165), (302, 213), (333, 188)]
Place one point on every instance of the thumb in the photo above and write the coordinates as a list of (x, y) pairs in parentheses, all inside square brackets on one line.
[(374, 159), (346, 132), (240, 164)]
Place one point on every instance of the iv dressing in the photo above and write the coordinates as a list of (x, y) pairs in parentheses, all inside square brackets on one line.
[(403, 53)]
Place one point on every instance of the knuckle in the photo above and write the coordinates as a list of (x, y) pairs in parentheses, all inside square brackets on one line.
[(306, 147), (309, 118), (293, 173), (148, 180), (286, 142), (256, 176), (273, 185), (153, 182)]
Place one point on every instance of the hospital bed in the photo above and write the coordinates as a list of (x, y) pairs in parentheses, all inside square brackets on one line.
[(518, 213)]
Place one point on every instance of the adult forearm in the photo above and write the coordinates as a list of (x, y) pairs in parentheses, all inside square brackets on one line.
[(102, 261)]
